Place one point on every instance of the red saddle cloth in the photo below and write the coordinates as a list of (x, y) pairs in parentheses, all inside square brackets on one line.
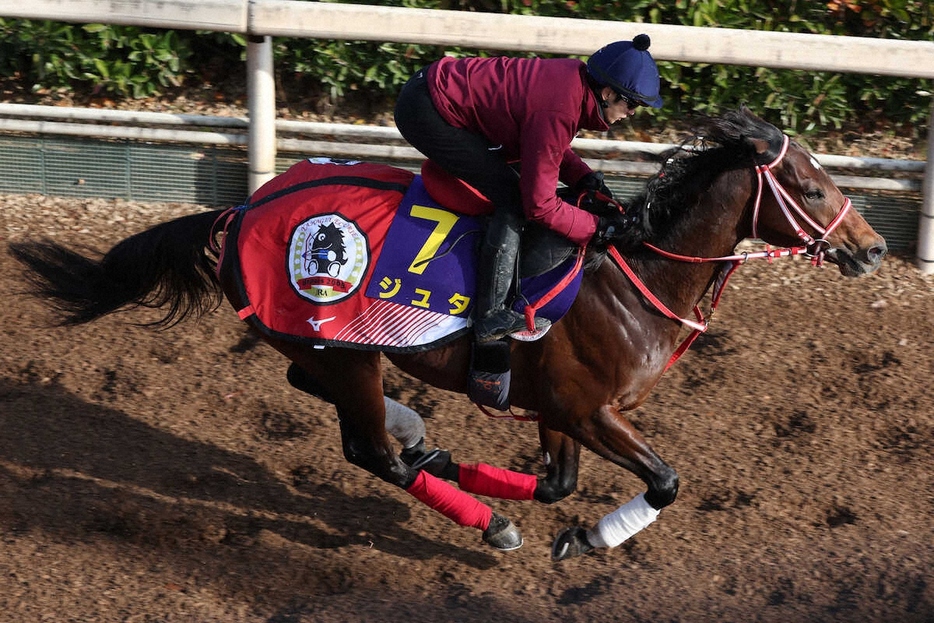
[(360, 255)]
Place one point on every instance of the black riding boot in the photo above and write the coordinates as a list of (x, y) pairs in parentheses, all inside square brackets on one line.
[(497, 271)]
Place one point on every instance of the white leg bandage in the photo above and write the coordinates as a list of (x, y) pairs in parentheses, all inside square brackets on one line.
[(403, 423), (622, 523)]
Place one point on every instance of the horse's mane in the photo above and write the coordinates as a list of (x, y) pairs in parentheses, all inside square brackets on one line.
[(718, 144)]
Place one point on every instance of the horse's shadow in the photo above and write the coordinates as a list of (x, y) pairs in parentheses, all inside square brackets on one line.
[(86, 468)]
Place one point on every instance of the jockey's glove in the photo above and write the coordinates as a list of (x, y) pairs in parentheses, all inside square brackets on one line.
[(593, 182), (594, 195), (616, 228)]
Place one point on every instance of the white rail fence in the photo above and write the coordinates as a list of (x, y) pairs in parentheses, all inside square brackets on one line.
[(379, 143), (263, 19)]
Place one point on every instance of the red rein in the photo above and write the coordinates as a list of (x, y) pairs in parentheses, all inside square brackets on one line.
[(789, 207), (814, 248)]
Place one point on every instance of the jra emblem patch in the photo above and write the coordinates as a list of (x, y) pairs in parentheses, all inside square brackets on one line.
[(328, 258)]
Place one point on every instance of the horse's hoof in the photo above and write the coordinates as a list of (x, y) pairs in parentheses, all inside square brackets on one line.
[(569, 543), (502, 534)]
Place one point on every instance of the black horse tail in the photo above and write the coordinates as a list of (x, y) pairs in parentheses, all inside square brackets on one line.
[(168, 265)]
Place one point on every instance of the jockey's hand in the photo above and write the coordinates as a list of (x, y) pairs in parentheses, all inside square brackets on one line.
[(593, 182), (594, 195), (617, 228)]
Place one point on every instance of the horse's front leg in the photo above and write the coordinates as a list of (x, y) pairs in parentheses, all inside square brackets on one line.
[(608, 433)]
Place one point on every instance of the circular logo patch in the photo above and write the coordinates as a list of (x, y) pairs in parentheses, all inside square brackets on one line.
[(328, 258)]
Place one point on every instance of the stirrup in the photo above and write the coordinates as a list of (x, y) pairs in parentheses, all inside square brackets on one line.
[(502, 322)]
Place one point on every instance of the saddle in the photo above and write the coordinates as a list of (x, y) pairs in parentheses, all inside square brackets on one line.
[(541, 248)]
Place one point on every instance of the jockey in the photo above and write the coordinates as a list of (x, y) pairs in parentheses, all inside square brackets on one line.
[(478, 117)]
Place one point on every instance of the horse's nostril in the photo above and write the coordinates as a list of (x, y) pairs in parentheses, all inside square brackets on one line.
[(875, 254), (878, 252)]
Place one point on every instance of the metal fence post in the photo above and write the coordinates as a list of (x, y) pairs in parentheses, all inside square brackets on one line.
[(925, 256), (261, 95)]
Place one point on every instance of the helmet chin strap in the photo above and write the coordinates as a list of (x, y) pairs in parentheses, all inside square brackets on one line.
[(598, 93), (602, 107)]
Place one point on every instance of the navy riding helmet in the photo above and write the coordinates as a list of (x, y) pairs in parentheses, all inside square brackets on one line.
[(628, 68)]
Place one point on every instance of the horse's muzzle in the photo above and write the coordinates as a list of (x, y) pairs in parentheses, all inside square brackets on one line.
[(864, 260)]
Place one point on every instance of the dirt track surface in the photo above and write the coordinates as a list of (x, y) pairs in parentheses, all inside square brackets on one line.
[(175, 476)]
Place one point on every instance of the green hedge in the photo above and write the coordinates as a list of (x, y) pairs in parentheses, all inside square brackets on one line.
[(134, 62)]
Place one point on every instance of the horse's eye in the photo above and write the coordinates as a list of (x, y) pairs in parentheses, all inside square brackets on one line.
[(813, 195)]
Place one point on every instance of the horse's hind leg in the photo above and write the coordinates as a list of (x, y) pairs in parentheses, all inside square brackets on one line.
[(403, 423), (352, 381), (409, 429), (561, 456)]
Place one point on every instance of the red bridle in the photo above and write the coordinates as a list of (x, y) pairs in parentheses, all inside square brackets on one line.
[(815, 248)]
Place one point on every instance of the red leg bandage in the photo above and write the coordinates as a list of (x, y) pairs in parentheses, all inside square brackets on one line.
[(495, 482), (450, 502)]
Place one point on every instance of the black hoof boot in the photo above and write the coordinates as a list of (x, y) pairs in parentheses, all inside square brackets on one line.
[(436, 462), (502, 534), (569, 543), (416, 453)]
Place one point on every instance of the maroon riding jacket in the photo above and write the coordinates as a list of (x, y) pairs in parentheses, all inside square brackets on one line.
[(533, 108)]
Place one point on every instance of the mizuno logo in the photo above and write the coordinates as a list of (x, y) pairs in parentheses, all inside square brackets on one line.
[(316, 324)]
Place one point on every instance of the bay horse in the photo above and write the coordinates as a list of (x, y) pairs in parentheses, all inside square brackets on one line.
[(739, 177)]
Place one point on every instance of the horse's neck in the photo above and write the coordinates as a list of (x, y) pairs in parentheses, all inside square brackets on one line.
[(711, 228)]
